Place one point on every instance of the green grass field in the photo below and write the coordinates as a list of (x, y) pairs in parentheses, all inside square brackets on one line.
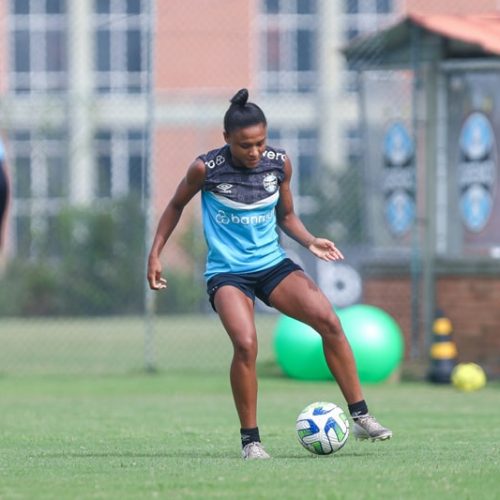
[(174, 434)]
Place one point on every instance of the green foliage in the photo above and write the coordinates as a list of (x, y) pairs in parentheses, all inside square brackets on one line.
[(186, 288), (29, 289), (184, 293), (103, 259), (90, 262)]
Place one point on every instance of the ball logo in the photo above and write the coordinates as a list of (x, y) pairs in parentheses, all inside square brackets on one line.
[(476, 171), (270, 183), (399, 180)]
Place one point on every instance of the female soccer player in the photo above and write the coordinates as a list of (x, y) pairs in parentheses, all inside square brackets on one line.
[(245, 195)]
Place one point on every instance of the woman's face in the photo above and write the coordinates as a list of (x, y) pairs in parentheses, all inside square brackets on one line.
[(247, 145)]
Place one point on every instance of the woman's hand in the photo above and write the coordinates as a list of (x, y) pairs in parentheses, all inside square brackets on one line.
[(156, 282), (325, 249)]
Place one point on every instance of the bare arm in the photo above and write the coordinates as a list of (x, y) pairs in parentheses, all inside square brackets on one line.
[(187, 188), (290, 223)]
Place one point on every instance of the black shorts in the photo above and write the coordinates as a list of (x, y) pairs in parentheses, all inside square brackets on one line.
[(260, 283)]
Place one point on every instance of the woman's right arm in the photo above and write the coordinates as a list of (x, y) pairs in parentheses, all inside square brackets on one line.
[(188, 187)]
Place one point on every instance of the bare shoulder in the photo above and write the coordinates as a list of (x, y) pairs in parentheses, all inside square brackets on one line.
[(196, 173)]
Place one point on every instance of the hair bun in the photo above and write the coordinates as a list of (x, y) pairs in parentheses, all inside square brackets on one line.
[(240, 98)]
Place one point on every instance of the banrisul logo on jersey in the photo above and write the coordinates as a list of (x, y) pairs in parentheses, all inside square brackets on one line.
[(245, 219), (398, 184), (477, 171)]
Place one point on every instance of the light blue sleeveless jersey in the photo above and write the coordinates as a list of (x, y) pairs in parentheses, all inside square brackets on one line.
[(238, 210)]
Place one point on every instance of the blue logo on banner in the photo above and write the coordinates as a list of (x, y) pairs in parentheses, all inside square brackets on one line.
[(399, 179), (476, 138), (400, 212), (476, 204), (476, 171), (398, 145)]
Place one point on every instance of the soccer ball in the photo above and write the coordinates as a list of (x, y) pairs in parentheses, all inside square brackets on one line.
[(322, 428), (468, 377)]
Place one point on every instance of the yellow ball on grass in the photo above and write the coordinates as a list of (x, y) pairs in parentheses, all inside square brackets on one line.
[(468, 377)]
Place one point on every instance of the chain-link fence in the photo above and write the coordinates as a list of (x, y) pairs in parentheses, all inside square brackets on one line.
[(105, 103)]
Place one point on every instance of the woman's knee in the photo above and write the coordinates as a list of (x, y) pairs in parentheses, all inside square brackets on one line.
[(245, 347), (328, 325)]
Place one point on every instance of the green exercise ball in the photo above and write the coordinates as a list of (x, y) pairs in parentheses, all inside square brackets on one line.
[(299, 350), (374, 336), (376, 341)]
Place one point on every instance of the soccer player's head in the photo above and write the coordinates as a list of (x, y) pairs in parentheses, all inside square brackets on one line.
[(245, 130)]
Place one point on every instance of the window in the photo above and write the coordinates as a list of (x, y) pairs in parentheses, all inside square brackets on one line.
[(38, 41), (40, 184), (352, 6), (384, 6), (121, 46), (352, 33), (272, 6), (306, 6), (362, 17), (121, 162), (288, 42)]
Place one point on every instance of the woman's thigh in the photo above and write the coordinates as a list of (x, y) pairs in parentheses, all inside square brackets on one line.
[(299, 297), (236, 311)]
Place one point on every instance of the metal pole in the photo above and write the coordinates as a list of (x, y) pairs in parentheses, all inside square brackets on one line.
[(365, 161), (148, 193), (430, 203), (415, 267)]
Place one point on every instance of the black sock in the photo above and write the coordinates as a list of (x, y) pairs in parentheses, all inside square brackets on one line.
[(249, 436), (358, 409)]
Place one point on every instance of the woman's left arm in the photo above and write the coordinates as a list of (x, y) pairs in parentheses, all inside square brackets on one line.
[(290, 223)]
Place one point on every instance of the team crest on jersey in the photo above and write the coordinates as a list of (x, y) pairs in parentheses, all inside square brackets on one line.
[(270, 183), (225, 188)]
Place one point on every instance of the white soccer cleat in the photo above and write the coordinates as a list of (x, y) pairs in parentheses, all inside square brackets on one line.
[(254, 451), (367, 427)]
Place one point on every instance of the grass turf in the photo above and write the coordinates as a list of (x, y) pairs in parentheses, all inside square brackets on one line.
[(176, 436), (69, 434)]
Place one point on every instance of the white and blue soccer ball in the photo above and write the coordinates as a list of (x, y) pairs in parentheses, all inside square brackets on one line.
[(322, 428)]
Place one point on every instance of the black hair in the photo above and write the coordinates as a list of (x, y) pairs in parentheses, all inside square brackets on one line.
[(242, 113)]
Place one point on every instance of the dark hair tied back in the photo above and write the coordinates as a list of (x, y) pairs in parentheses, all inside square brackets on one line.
[(242, 114), (240, 98)]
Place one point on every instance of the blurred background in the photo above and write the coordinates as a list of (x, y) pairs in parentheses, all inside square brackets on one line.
[(388, 109)]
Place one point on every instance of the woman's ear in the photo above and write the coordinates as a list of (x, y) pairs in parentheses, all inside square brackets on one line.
[(226, 137)]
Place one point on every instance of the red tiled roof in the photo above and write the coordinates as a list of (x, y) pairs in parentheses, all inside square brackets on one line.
[(482, 30)]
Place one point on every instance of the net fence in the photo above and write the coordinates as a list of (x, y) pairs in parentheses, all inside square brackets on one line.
[(105, 103)]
